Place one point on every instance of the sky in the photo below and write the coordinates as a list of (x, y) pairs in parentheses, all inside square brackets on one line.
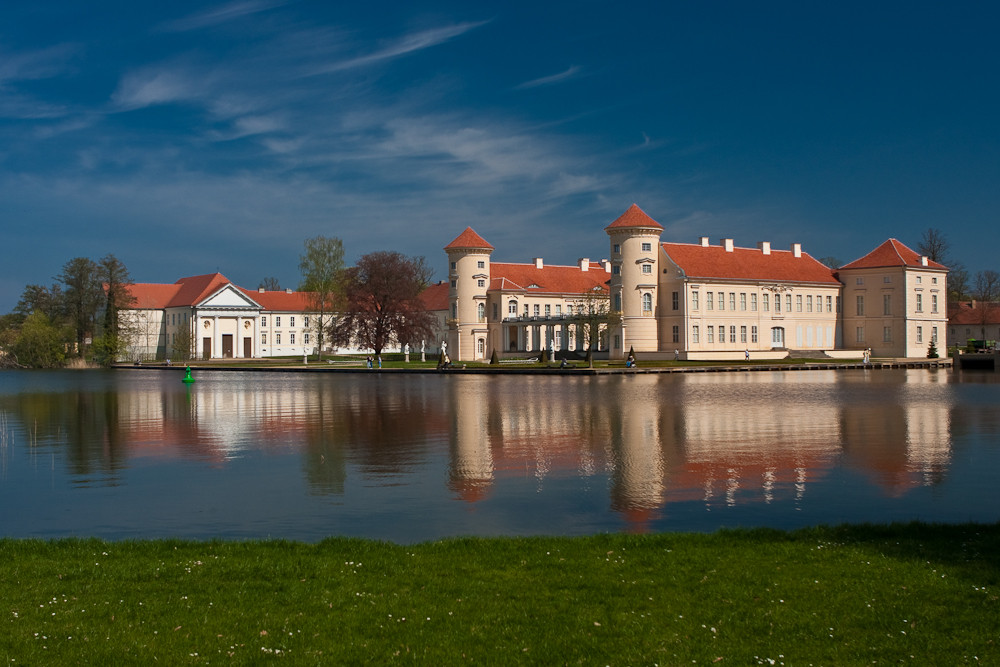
[(191, 137)]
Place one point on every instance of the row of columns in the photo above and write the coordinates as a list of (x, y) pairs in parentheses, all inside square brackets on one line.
[(535, 337)]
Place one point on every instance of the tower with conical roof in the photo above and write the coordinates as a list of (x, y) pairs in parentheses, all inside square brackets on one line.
[(635, 240), (469, 279)]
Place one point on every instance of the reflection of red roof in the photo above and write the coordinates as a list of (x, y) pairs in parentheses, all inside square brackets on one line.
[(891, 253), (468, 239), (549, 279), (634, 217), (980, 313), (435, 297), (699, 261)]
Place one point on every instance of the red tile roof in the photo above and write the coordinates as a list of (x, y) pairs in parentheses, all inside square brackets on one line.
[(435, 297), (891, 253), (468, 239), (699, 261), (971, 313), (632, 218), (192, 290), (153, 295), (280, 300), (550, 279)]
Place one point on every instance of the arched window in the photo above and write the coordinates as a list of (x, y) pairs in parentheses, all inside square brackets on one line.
[(512, 308), (647, 303), (481, 312)]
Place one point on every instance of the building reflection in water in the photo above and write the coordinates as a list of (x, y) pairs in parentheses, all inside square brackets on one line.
[(719, 439)]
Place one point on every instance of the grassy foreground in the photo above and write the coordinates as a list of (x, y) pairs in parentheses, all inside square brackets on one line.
[(915, 593)]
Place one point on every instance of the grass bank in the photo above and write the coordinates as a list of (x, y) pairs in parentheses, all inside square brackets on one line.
[(915, 593)]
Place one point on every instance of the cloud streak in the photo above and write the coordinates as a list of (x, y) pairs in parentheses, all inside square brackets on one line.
[(219, 15), (561, 77)]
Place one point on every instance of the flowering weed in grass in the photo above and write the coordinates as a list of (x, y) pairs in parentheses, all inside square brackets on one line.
[(916, 593)]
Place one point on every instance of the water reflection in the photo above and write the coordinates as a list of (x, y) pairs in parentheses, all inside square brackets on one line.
[(652, 443)]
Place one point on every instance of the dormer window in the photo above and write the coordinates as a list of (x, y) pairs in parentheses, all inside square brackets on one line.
[(533, 286)]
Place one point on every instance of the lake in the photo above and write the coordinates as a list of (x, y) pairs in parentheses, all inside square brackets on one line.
[(415, 457)]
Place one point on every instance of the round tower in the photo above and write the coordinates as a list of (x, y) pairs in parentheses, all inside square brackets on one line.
[(635, 241), (469, 280)]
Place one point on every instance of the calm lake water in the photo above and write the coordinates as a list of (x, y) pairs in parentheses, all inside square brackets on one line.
[(136, 453)]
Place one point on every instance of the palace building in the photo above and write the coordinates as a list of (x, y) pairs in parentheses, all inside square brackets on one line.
[(693, 300)]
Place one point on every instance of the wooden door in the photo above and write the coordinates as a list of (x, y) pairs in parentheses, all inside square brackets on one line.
[(227, 346), (247, 347), (206, 347)]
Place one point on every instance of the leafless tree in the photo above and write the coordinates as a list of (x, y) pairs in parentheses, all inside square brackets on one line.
[(934, 246)]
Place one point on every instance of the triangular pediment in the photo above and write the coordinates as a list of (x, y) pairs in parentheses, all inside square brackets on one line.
[(229, 297)]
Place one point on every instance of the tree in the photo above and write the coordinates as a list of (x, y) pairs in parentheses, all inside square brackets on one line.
[(593, 311), (40, 299), (322, 266), (180, 348), (383, 303), (934, 246), (116, 281), (81, 297), (40, 344), (270, 283), (830, 261), (986, 291), (958, 282)]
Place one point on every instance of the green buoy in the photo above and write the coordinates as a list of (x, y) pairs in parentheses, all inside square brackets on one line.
[(187, 376)]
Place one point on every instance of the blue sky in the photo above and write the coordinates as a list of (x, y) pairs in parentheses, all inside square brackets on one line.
[(191, 137)]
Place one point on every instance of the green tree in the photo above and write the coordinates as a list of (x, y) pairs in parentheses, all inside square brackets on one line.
[(40, 299), (116, 281), (322, 266), (82, 297), (40, 343), (383, 305)]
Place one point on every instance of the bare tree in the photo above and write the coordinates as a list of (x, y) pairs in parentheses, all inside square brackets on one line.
[(986, 291), (832, 262), (270, 283), (958, 282), (934, 246), (383, 303), (322, 266), (592, 311)]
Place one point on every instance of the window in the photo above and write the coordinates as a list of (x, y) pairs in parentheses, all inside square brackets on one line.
[(618, 341), (859, 281), (535, 312), (732, 301), (788, 303), (859, 334), (753, 302), (616, 249), (548, 310), (861, 305), (481, 311), (829, 304), (886, 279), (766, 298), (732, 334), (305, 321), (277, 339), (263, 339), (558, 309), (777, 303), (919, 279), (481, 282), (934, 302), (292, 321), (263, 321), (453, 283), (512, 308), (695, 334), (480, 347), (809, 303), (743, 300), (647, 247), (743, 334), (694, 300), (920, 303), (722, 300), (647, 269), (933, 281), (675, 301), (453, 266), (454, 311), (173, 319), (753, 334), (920, 334), (291, 338), (798, 303), (616, 270), (618, 302), (708, 301), (677, 333), (647, 303), (887, 304), (305, 338), (934, 331), (277, 321), (710, 334), (569, 309), (480, 264), (525, 310), (886, 334)]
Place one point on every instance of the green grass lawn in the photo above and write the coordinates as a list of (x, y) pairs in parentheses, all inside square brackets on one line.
[(916, 594)]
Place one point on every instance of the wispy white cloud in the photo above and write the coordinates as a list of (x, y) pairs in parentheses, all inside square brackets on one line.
[(155, 86), (570, 73), (219, 15), (403, 46)]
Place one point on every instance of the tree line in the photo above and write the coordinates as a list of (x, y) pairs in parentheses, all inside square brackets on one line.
[(371, 305)]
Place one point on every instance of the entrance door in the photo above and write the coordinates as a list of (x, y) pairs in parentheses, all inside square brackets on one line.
[(512, 337), (227, 346), (247, 348), (206, 347), (777, 337)]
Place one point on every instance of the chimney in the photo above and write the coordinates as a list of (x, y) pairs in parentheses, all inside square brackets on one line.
[(704, 241), (797, 249), (260, 289), (607, 265), (923, 260), (584, 263), (538, 262), (288, 290), (765, 247), (727, 244)]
